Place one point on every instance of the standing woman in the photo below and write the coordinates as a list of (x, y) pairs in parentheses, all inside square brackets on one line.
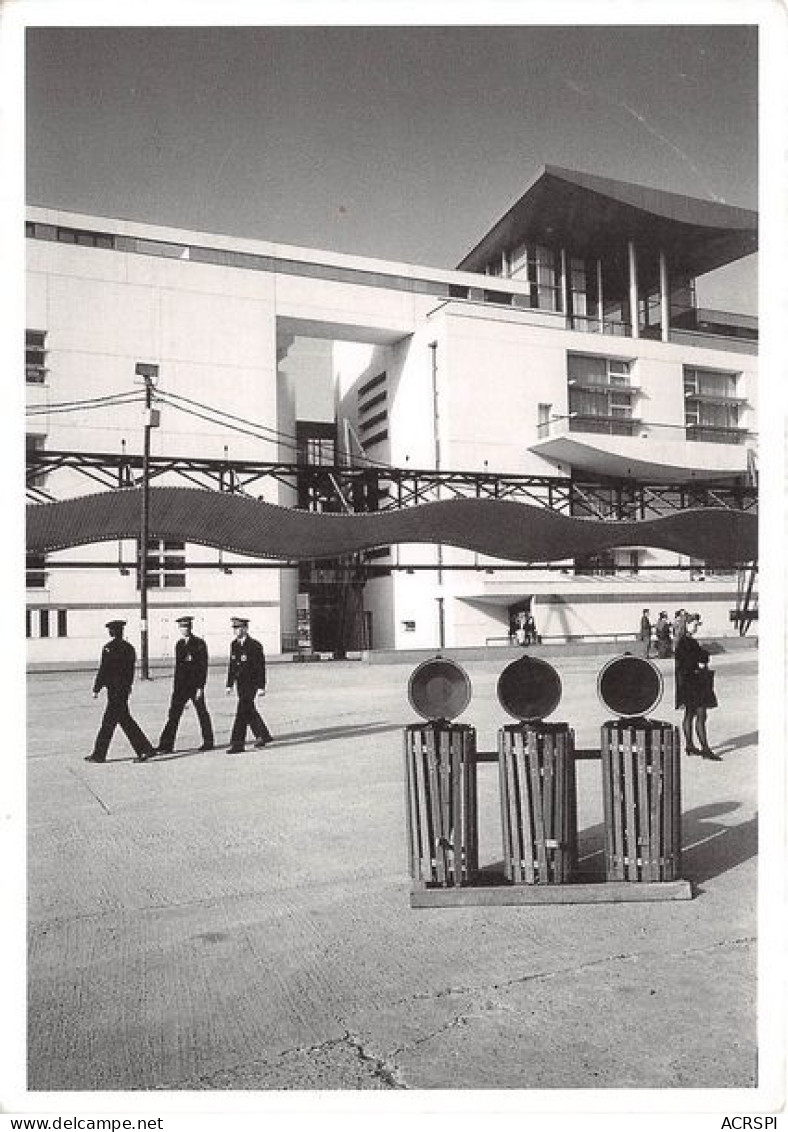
[(694, 688)]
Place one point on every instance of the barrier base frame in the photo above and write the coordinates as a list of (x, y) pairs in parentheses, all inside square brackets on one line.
[(576, 892)]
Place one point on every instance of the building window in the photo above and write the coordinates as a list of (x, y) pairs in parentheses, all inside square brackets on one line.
[(85, 239), (600, 395), (543, 278), (34, 442), (35, 357), (372, 410), (597, 565), (40, 623), (712, 408), (35, 571), (166, 565), (319, 451)]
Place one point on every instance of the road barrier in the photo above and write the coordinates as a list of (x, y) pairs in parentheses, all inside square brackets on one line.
[(440, 778), (536, 769), (641, 776)]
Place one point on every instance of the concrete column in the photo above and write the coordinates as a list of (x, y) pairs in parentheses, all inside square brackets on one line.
[(504, 265), (633, 289), (564, 287), (600, 304), (664, 296)]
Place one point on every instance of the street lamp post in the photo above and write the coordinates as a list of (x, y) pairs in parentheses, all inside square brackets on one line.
[(149, 374)]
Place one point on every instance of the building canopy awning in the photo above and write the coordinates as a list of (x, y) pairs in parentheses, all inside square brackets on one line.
[(591, 216)]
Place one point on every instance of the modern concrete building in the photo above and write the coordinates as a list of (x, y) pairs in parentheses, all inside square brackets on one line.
[(568, 344)]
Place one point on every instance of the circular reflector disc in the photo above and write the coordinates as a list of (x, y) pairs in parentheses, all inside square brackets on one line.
[(529, 689), (439, 689), (630, 685)]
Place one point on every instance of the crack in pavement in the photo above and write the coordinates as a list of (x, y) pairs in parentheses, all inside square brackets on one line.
[(480, 988), (90, 790), (475, 1011), (380, 1068)]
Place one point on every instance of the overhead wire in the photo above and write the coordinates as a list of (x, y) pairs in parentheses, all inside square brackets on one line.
[(46, 410), (278, 434)]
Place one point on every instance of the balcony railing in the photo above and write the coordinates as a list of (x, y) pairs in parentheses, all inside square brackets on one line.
[(716, 434), (610, 426)]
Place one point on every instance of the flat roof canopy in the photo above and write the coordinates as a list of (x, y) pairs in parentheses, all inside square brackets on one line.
[(591, 216)]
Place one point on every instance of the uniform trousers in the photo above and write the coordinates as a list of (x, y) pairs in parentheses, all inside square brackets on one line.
[(180, 698), (247, 715), (117, 714)]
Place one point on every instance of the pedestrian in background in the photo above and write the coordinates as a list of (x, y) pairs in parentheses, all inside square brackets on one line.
[(246, 672), (644, 634), (116, 674), (694, 688), (191, 674), (679, 626), (662, 632)]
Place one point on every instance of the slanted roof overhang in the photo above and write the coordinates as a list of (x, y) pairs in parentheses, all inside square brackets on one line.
[(592, 216)]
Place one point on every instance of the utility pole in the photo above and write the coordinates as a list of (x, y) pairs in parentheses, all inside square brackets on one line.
[(149, 374)]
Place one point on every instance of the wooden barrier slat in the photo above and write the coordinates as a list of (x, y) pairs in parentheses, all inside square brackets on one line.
[(668, 769), (544, 745), (607, 800), (617, 801), (655, 808), (537, 803), (433, 799), (528, 805), (503, 794), (414, 862), (677, 841), (559, 756), (630, 821), (516, 816), (642, 808), (457, 833)]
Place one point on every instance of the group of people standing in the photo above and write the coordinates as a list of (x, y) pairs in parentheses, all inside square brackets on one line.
[(663, 636), (246, 674), (693, 677)]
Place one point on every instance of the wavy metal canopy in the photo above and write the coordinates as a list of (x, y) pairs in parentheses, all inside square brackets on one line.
[(501, 528)]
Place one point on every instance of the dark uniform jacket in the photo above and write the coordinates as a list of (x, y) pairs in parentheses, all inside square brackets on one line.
[(116, 670), (191, 664), (247, 666)]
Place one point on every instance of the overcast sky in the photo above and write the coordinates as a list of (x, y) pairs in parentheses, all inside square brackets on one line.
[(398, 142)]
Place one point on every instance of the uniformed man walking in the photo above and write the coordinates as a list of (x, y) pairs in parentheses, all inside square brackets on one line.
[(247, 672), (116, 674), (191, 673)]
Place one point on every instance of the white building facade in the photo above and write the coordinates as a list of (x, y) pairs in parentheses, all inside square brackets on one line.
[(567, 345)]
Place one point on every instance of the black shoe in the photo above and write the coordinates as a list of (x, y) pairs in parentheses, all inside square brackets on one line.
[(264, 742), (143, 756), (709, 754), (235, 750), (694, 751), (162, 751), (206, 747), (94, 759)]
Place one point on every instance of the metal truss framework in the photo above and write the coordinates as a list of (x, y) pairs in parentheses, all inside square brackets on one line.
[(379, 488), (362, 489)]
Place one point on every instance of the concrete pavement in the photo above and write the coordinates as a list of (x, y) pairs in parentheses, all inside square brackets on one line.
[(209, 921)]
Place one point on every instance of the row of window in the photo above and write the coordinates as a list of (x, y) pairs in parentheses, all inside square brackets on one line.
[(165, 563), (372, 410), (46, 623), (602, 397), (35, 356)]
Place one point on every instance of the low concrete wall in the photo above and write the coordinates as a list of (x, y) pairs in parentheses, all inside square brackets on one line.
[(161, 669)]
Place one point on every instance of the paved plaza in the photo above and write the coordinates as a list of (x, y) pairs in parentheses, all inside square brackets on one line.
[(210, 921)]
